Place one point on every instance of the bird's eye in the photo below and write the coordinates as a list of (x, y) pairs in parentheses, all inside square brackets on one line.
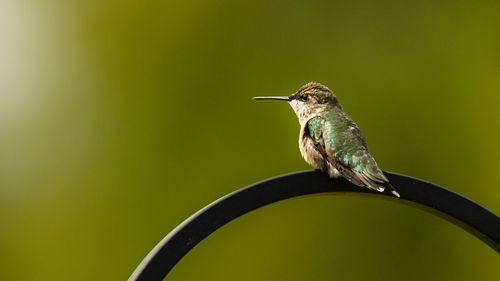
[(304, 97)]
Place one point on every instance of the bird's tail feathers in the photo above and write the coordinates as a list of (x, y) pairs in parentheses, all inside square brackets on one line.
[(380, 187), (392, 189), (371, 184)]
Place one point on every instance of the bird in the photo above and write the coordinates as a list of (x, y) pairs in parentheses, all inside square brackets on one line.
[(330, 141)]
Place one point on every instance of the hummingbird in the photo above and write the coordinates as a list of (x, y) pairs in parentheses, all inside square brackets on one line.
[(330, 141)]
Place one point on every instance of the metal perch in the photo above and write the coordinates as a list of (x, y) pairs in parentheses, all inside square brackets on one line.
[(441, 202)]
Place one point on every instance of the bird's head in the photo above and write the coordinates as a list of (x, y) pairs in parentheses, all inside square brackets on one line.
[(309, 100)]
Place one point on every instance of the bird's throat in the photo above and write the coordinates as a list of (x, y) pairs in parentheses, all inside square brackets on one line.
[(306, 112)]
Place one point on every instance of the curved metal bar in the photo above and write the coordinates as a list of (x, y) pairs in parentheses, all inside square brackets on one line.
[(437, 200)]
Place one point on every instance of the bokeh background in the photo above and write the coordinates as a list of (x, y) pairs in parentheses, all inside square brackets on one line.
[(119, 119)]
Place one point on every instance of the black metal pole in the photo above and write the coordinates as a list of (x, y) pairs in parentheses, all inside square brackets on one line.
[(439, 201)]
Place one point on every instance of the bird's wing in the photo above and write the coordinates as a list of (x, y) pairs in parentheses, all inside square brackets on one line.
[(351, 158), (314, 128)]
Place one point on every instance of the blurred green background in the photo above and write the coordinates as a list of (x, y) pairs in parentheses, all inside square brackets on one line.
[(119, 119)]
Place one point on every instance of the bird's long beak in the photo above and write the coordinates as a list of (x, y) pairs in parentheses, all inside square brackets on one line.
[(271, 98)]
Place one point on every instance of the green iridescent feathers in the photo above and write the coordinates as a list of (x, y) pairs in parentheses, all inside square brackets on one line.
[(315, 128)]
